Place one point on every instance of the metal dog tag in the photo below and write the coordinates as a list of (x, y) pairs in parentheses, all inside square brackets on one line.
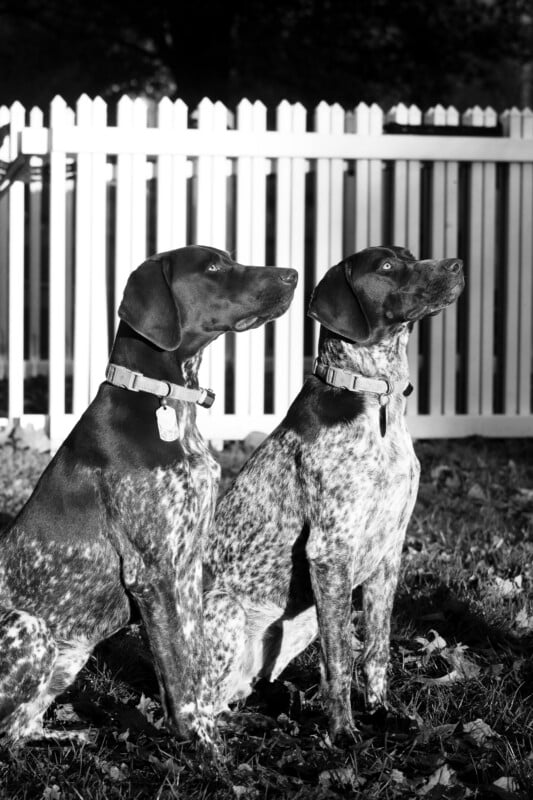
[(167, 423)]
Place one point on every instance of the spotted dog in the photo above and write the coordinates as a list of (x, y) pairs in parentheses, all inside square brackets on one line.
[(120, 514), (322, 505)]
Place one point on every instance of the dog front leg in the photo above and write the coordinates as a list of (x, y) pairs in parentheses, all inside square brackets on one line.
[(171, 609), (378, 599), (331, 579)]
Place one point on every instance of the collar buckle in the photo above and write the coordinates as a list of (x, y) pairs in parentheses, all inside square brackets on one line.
[(206, 399)]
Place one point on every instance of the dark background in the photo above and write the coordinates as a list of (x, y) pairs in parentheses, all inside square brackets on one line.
[(460, 52)]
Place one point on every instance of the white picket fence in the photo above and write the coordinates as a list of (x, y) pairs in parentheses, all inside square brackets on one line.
[(83, 201)]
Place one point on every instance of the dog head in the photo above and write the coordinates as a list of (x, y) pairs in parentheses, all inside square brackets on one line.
[(189, 296), (378, 288)]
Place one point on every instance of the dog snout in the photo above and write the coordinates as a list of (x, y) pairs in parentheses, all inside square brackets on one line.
[(289, 276)]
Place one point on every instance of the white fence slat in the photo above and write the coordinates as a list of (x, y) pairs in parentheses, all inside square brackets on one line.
[(83, 239), (250, 245), (58, 117), (375, 220), (16, 274), (123, 234), (488, 276), (138, 189), (211, 229), (283, 325), (4, 254), (171, 181), (512, 127), (450, 314), (35, 249), (329, 180), (526, 282), (361, 121), (98, 285), (290, 251)]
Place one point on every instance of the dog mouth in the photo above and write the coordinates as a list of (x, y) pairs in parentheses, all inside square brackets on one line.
[(246, 323), (255, 320)]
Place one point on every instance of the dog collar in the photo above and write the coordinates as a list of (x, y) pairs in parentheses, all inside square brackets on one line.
[(383, 388), (137, 382), (344, 379)]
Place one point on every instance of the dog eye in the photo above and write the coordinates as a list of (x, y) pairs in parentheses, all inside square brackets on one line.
[(214, 268), (386, 265)]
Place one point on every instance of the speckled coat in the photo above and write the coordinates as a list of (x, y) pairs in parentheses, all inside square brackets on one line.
[(119, 517), (323, 504)]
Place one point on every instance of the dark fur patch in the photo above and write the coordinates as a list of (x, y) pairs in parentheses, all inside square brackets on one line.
[(319, 405)]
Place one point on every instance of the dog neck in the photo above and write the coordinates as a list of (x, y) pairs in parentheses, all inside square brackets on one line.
[(386, 358), (133, 351)]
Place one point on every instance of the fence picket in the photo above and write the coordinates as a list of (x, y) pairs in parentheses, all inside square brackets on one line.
[(526, 282), (57, 322), (4, 253), (211, 228), (511, 121), (172, 172), (35, 249), (250, 246)]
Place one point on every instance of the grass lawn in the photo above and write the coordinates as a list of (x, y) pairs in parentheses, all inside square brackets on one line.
[(460, 723)]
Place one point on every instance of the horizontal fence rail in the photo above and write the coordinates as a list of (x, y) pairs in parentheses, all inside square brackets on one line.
[(87, 193)]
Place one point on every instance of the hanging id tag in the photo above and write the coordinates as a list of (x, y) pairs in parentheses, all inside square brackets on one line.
[(383, 403), (167, 423)]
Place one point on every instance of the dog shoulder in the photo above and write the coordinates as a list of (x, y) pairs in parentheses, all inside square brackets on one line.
[(318, 407)]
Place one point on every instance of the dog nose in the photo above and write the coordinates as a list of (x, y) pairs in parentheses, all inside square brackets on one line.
[(452, 264), (289, 276)]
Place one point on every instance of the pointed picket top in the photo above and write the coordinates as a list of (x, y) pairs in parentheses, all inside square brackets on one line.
[(124, 112), (99, 111), (299, 117), (511, 120), (338, 118), (322, 117), (245, 115), (474, 117), (36, 117), (527, 123), (17, 109), (491, 117), (452, 116), (399, 114), (376, 119), (181, 114), (205, 108), (284, 116), (165, 113), (436, 115), (414, 115), (361, 118), (84, 110)]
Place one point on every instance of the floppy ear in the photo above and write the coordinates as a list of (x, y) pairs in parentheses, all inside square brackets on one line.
[(148, 305), (335, 306)]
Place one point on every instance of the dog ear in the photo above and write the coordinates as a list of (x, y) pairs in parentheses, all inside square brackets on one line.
[(335, 306), (148, 305)]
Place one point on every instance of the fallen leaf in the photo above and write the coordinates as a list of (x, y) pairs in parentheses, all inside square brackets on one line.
[(476, 493), (507, 587), (443, 776), (478, 732), (506, 788)]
